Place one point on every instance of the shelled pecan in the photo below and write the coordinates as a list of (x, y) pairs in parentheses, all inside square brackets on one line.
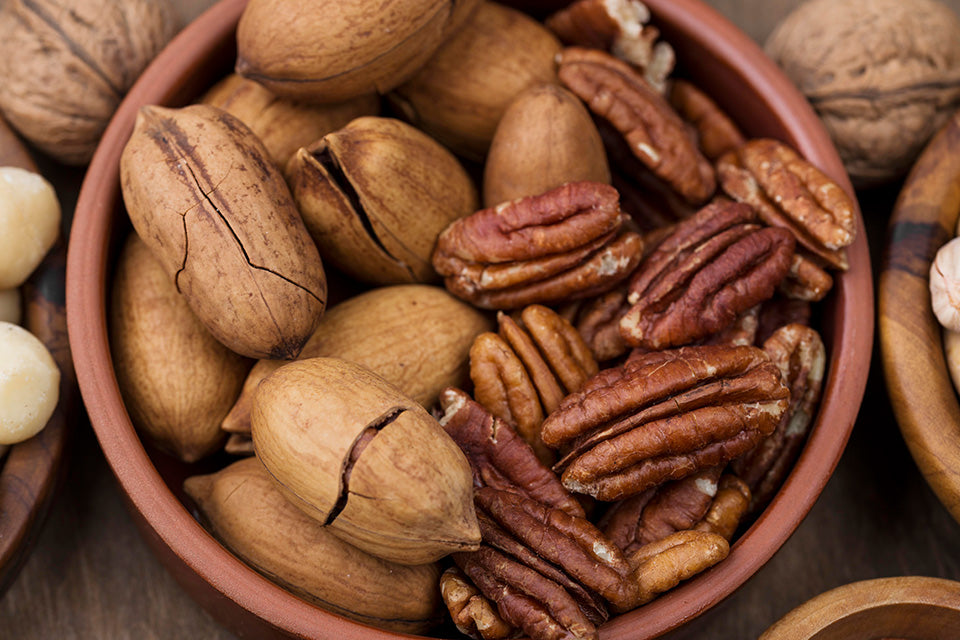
[(522, 374), (656, 513), (620, 27), (657, 136), (780, 311), (498, 456), (716, 132), (743, 331), (472, 613), (799, 353), (806, 280), (560, 245), (728, 507), (663, 416), (598, 323), (789, 192), (710, 268), (662, 565)]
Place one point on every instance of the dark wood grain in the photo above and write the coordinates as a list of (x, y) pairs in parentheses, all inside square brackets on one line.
[(92, 576)]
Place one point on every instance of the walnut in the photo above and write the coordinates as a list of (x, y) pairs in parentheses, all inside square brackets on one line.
[(66, 65), (882, 74)]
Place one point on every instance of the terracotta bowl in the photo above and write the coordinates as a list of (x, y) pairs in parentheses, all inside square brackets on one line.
[(913, 608), (719, 57), (922, 394), (28, 474)]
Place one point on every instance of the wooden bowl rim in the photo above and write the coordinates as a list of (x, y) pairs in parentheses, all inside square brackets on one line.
[(925, 406), (867, 599), (87, 264)]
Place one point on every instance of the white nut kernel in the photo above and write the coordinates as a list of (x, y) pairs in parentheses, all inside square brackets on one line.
[(29, 223), (29, 384), (945, 285)]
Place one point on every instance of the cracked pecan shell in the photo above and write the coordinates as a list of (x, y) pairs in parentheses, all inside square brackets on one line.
[(657, 136), (208, 202), (789, 192), (499, 457), (711, 268), (800, 355), (663, 416), (559, 245)]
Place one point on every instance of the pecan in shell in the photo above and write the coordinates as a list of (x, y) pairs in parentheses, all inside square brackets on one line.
[(559, 245), (711, 268), (663, 416), (789, 192), (498, 456), (657, 136)]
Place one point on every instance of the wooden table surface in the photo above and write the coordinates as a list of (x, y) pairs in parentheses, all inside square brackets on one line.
[(91, 575)]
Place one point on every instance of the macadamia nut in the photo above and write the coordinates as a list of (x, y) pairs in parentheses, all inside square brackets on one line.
[(29, 384), (945, 285), (29, 223), (10, 305)]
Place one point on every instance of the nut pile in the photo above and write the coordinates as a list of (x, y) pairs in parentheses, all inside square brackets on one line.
[(616, 372)]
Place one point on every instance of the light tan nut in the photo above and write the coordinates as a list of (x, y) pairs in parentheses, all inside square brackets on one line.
[(728, 507), (29, 223), (662, 565), (29, 384), (474, 615)]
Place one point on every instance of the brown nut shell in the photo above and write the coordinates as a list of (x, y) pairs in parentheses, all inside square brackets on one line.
[(332, 50), (462, 91), (202, 193), (281, 124), (376, 194), (243, 508), (356, 454), (177, 381), (383, 330), (66, 65), (542, 117)]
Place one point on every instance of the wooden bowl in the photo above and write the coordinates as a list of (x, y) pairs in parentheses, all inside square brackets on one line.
[(913, 608), (29, 473), (922, 394), (718, 56)]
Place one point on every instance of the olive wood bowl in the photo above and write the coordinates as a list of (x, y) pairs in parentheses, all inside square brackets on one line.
[(28, 474), (723, 60), (911, 608), (923, 397)]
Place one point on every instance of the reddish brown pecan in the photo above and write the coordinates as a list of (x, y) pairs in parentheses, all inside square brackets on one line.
[(743, 331), (655, 514), (648, 202), (716, 132), (662, 565), (559, 245), (620, 27), (473, 614), (498, 456), (806, 280), (799, 353), (598, 322), (789, 192), (728, 507), (711, 268), (656, 134), (664, 416), (779, 311)]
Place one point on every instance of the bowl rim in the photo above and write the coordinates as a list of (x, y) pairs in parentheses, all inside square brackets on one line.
[(194, 546)]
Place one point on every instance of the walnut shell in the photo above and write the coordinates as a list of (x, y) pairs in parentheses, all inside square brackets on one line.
[(883, 75), (66, 65)]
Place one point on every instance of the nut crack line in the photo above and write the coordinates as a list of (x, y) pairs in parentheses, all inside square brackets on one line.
[(243, 249), (33, 7)]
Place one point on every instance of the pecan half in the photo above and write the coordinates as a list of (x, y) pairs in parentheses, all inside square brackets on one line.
[(711, 268), (789, 192), (559, 245), (472, 613), (662, 565), (780, 311), (657, 136), (498, 456), (716, 132), (663, 416), (675, 506), (598, 323), (806, 280), (620, 27), (742, 332), (799, 353), (727, 509)]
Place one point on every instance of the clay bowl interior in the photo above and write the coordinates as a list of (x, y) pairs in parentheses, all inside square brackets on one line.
[(909, 608), (29, 472), (716, 55), (922, 394)]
